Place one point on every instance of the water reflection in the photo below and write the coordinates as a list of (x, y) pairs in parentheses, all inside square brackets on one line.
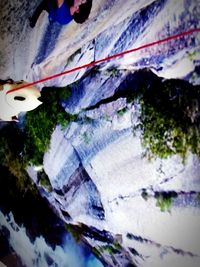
[(41, 254)]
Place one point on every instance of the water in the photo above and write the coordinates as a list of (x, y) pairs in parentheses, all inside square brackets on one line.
[(40, 254), (30, 229)]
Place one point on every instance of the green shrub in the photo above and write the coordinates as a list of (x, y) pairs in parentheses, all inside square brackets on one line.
[(40, 123), (164, 203), (21, 147), (112, 71), (170, 119), (11, 156), (64, 92), (164, 200), (108, 249), (122, 111)]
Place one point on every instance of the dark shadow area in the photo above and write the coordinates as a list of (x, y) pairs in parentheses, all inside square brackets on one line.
[(29, 209)]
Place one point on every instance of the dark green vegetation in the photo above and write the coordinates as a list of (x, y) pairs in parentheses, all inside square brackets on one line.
[(30, 210), (21, 147), (11, 155), (170, 118), (164, 200), (111, 248), (40, 123), (121, 112)]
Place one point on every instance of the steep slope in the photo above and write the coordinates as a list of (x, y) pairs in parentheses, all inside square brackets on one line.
[(132, 211)]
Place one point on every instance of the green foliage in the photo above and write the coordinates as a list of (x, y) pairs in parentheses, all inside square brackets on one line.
[(117, 246), (40, 123), (164, 203), (170, 119), (164, 200), (39, 127), (192, 55), (20, 147), (112, 71), (122, 111), (65, 118), (194, 75), (11, 156), (162, 136), (111, 249), (108, 249), (63, 92)]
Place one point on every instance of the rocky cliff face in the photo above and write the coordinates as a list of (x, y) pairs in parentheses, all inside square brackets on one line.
[(95, 166), (101, 183), (100, 178)]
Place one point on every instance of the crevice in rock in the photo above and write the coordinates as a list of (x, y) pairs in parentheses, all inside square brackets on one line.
[(66, 215), (130, 85), (94, 233), (158, 245), (80, 180)]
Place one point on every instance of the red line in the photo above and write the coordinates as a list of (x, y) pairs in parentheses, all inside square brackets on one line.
[(107, 58)]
